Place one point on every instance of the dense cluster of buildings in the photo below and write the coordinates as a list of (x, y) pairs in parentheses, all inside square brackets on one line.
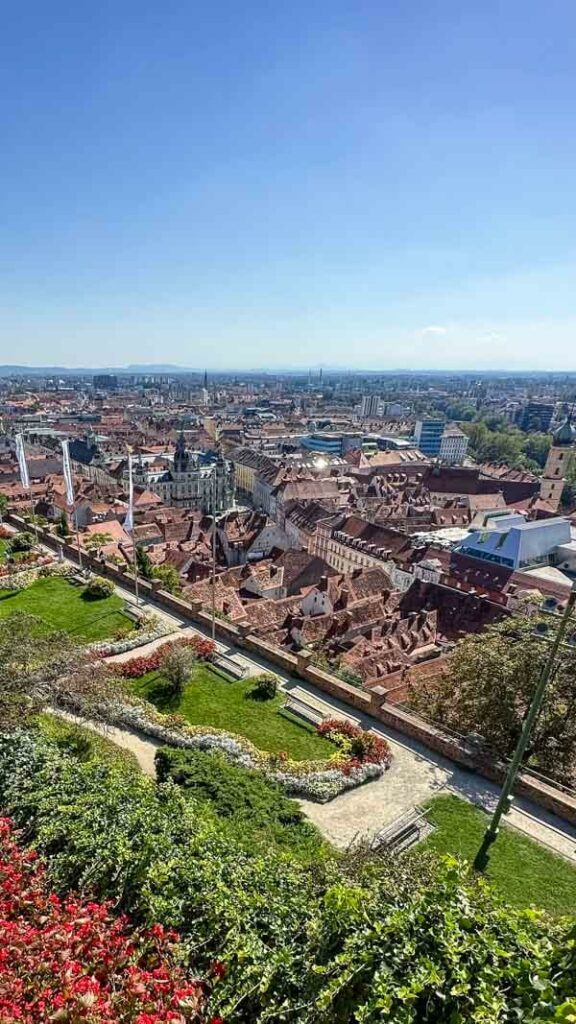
[(347, 523)]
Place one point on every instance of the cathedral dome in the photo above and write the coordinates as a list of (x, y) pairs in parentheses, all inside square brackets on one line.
[(566, 434)]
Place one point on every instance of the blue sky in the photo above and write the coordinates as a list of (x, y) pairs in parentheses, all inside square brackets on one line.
[(337, 182)]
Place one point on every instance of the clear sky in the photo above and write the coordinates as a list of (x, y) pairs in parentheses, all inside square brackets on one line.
[(359, 183)]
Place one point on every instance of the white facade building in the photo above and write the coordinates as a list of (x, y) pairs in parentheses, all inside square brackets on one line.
[(453, 446)]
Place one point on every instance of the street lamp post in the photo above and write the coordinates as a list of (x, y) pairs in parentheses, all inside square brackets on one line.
[(505, 800)]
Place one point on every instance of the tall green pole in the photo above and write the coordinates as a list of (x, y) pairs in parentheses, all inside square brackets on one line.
[(503, 805)]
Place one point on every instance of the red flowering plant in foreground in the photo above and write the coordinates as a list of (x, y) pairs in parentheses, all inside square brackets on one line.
[(203, 649), (363, 746), (73, 962)]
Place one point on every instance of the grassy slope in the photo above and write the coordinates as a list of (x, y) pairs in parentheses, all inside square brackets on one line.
[(521, 870), (62, 606), (209, 700), (67, 734)]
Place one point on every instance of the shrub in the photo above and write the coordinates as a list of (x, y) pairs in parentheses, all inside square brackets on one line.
[(258, 809), (72, 961), (98, 588), (21, 542), (177, 666), (363, 746), (265, 687), (408, 941)]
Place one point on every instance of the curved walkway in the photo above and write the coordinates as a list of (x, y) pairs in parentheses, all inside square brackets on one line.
[(364, 811)]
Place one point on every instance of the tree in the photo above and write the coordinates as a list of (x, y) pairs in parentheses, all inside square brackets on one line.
[(169, 577), (569, 492), (96, 541), (39, 669), (536, 447), (62, 528), (487, 689), (177, 666), (143, 563), (3, 506)]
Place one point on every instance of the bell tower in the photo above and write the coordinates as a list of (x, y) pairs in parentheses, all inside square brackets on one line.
[(553, 479)]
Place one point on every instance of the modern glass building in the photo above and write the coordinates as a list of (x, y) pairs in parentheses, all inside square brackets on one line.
[(428, 436)]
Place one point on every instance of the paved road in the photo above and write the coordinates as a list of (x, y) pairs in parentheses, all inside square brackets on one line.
[(417, 773)]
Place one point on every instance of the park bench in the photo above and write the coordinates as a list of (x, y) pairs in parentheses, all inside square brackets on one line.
[(313, 709), (406, 830), (78, 578), (229, 666), (132, 612)]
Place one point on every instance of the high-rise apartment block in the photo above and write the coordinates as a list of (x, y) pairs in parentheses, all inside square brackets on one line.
[(428, 436)]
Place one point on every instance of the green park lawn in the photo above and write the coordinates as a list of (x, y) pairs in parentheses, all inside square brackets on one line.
[(3, 546), (63, 606), (211, 699), (520, 870)]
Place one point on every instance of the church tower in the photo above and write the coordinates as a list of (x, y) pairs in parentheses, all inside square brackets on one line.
[(563, 443), (181, 458)]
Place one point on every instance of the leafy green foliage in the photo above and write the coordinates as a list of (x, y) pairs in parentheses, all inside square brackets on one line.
[(169, 578), (265, 687), (177, 666), (98, 588), (258, 810), (62, 528), (21, 542), (569, 492), (487, 688), (379, 942), (143, 562), (39, 668), (497, 441), (98, 540)]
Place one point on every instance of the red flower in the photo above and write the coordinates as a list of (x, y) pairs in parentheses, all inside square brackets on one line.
[(72, 960)]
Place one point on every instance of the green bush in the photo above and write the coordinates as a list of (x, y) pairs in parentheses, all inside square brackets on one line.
[(265, 687), (259, 810), (21, 542), (365, 941), (99, 587)]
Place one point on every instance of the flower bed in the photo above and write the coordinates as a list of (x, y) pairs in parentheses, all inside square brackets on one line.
[(21, 579), (137, 638), (315, 780), (362, 746), (73, 961), (203, 649)]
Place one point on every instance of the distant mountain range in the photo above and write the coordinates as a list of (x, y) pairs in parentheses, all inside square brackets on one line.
[(8, 370)]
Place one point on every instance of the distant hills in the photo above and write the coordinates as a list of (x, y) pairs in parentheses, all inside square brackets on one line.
[(8, 370)]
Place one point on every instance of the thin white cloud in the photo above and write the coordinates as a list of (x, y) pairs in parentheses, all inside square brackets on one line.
[(492, 338), (433, 331)]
